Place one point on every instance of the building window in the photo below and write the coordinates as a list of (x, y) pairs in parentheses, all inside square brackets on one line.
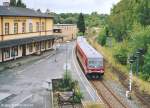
[(7, 53), (30, 47), (43, 45), (30, 27), (23, 27), (37, 26), (15, 28), (37, 46), (6, 28), (14, 51), (49, 44), (43, 26)]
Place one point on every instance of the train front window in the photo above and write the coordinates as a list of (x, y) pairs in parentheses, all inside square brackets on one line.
[(95, 63)]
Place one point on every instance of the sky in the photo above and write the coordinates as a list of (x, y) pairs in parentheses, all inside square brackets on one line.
[(71, 6)]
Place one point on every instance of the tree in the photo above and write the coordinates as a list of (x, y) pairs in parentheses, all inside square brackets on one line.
[(144, 12), (39, 10), (146, 74), (20, 4), (13, 3), (81, 23)]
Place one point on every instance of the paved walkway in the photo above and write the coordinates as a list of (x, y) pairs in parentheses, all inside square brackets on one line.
[(23, 60)]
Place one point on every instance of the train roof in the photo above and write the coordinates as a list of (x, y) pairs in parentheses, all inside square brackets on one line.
[(87, 48)]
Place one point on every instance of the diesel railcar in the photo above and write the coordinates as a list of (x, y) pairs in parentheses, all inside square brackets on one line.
[(90, 60)]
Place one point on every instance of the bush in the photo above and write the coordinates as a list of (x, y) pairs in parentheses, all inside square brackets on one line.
[(77, 94), (121, 56), (102, 38), (68, 84), (80, 34)]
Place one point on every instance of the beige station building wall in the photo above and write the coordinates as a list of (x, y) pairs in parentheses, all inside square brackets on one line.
[(47, 31), (68, 31), (48, 26)]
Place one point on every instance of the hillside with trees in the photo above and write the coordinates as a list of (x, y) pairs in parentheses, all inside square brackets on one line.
[(128, 29), (91, 20)]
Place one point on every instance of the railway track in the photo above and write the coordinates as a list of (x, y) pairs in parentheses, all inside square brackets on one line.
[(138, 94), (107, 95)]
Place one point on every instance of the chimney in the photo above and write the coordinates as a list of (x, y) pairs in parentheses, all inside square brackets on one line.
[(6, 3)]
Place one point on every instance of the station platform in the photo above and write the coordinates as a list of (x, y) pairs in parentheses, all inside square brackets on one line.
[(4, 96)]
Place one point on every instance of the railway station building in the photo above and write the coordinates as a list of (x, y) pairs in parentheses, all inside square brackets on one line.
[(68, 31), (24, 31)]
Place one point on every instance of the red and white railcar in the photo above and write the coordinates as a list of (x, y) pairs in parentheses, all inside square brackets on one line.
[(90, 59)]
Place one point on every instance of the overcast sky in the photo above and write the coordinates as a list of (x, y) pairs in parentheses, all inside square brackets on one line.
[(63, 6)]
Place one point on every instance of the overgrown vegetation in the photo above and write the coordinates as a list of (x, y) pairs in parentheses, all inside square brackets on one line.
[(68, 84), (129, 33)]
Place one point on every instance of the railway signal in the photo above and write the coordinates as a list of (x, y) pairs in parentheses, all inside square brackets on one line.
[(139, 52), (129, 92)]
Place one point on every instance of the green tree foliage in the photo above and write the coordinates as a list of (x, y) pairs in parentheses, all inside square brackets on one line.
[(20, 4), (129, 22), (81, 23), (125, 14), (91, 20), (144, 12), (102, 37), (13, 3), (146, 68), (121, 55)]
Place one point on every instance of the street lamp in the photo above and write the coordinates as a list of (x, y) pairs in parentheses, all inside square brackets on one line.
[(67, 55), (55, 47)]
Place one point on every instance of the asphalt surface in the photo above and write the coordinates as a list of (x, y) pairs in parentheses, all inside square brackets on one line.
[(26, 82)]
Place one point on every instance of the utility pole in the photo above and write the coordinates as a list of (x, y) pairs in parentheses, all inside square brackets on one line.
[(129, 92), (130, 78), (67, 56)]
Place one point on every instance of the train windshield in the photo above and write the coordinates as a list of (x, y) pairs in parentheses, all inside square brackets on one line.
[(95, 63)]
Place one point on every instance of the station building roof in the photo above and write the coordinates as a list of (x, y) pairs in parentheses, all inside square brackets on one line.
[(22, 41), (23, 12)]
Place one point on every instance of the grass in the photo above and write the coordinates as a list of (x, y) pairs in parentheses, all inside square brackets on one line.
[(93, 105), (107, 53)]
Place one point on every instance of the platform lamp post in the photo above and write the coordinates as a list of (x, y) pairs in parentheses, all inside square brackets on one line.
[(67, 56), (55, 48)]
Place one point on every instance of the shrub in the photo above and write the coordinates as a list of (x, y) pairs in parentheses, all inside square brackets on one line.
[(80, 34), (102, 38), (77, 95), (121, 56)]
